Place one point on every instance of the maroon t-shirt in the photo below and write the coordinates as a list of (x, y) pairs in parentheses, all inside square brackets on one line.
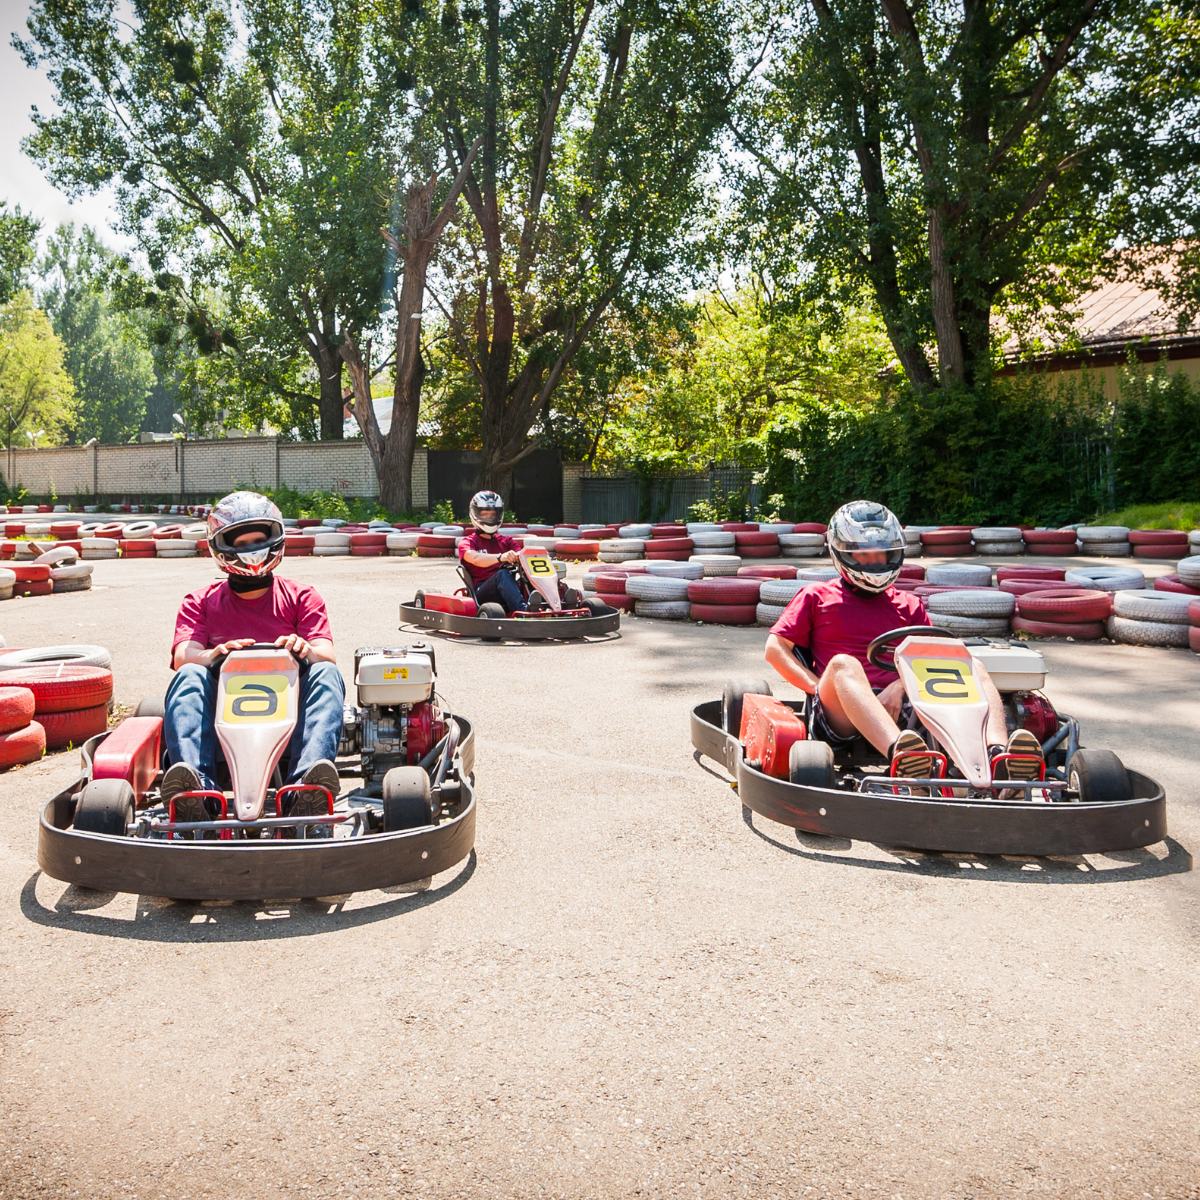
[(498, 543), (215, 613), (833, 618)]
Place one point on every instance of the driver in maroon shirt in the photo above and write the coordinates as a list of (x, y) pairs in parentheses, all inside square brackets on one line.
[(833, 624)]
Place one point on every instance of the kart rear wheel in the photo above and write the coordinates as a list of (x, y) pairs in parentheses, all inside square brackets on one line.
[(810, 764), (407, 802), (105, 806), (491, 612), (419, 600), (150, 706), (731, 701), (1099, 777)]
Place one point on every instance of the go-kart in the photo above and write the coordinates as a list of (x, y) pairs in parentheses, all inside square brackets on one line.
[(408, 813), (1083, 801), (554, 609)]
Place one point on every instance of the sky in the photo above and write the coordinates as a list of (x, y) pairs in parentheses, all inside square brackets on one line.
[(21, 181)]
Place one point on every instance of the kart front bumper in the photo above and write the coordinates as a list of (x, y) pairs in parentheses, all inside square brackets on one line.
[(513, 628), (971, 826), (257, 870)]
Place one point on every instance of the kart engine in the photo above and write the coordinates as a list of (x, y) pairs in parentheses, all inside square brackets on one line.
[(1019, 673), (397, 720)]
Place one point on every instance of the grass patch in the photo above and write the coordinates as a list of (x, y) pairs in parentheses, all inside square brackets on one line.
[(1173, 514)]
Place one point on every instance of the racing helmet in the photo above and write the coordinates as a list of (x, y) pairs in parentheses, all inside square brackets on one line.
[(487, 511), (864, 527), (246, 512)]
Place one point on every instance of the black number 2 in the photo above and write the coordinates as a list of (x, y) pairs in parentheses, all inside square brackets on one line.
[(942, 688), (255, 700)]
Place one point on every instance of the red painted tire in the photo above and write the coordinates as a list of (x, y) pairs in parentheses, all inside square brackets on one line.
[(1158, 537), (755, 538), (14, 529), (33, 589), (289, 550), (610, 584), (129, 545), (137, 554), (436, 541), (1172, 583), (31, 572), (912, 571), (667, 555), (1194, 612), (74, 726), (810, 527), (620, 603), (63, 686), (160, 534), (771, 551), (368, 539), (764, 572), (1049, 537), (724, 614), (1194, 638), (1066, 604), (1159, 550), (1023, 587), (1049, 550), (947, 535), (16, 708), (668, 531), (738, 527), (668, 543), (435, 552), (723, 590), (1031, 572), (952, 550), (301, 541), (22, 745), (577, 551), (1086, 631), (64, 529), (307, 522), (368, 551)]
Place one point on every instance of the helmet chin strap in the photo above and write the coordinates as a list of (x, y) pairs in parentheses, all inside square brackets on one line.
[(250, 583)]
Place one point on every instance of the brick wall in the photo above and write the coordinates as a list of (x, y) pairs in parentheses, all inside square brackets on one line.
[(572, 491), (141, 470), (420, 478), (62, 472), (343, 467)]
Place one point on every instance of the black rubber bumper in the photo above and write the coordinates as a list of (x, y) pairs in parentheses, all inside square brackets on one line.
[(522, 629), (963, 826), (183, 870)]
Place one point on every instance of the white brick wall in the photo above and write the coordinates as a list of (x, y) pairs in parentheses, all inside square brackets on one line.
[(343, 467), (420, 478), (141, 470), (224, 465), (572, 489), (62, 472)]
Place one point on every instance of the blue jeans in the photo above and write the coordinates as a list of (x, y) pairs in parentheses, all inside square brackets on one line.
[(501, 587), (191, 704)]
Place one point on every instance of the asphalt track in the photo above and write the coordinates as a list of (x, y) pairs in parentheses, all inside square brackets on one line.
[(630, 990)]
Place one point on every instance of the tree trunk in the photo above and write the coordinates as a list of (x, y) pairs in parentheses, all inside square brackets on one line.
[(331, 403)]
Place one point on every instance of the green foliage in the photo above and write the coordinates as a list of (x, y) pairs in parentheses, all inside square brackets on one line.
[(721, 505), (443, 511), (1171, 514), (293, 503), (18, 236), (37, 395)]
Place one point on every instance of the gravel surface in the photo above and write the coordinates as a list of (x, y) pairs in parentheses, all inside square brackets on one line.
[(630, 991)]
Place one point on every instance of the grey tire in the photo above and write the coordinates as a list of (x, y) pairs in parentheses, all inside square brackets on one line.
[(810, 764), (1146, 633)]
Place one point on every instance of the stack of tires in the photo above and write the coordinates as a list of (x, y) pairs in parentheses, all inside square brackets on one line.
[(298, 544), (972, 611), (806, 540), (768, 571), (67, 573), (661, 596), (93, 548), (31, 579), (332, 543), (1194, 625), (577, 550), (371, 544), (717, 564), (22, 739), (724, 601), (621, 549), (435, 545), (1149, 618), (1050, 543), (756, 543), (1158, 543), (609, 586), (774, 595), (1185, 579), (669, 543), (713, 541), (1107, 541), (1069, 612), (1001, 540), (402, 543), (960, 575), (72, 689), (1021, 580), (951, 541), (1106, 579)]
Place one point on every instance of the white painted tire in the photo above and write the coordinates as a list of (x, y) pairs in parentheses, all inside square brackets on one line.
[(670, 569), (1188, 569), (768, 614), (783, 528), (1005, 534), (448, 531), (959, 574), (636, 531), (978, 602), (622, 545), (717, 564), (656, 587), (334, 522), (331, 539), (972, 626), (801, 539), (8, 580), (75, 570), (564, 531), (1102, 533), (94, 553), (1108, 549), (1105, 579), (1146, 633), (195, 533), (37, 530), (402, 541), (780, 591), (176, 548), (816, 574), (616, 556), (664, 610), (331, 551), (802, 552), (695, 527), (1002, 549), (537, 542), (94, 656), (1171, 608), (720, 540), (58, 554), (139, 529)]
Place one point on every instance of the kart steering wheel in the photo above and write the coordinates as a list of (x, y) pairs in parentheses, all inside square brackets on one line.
[(881, 651)]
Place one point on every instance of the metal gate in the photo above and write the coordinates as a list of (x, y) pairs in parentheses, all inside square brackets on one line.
[(536, 489)]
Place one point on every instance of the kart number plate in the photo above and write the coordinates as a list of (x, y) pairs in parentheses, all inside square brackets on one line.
[(539, 564), (395, 672), (944, 681), (252, 698)]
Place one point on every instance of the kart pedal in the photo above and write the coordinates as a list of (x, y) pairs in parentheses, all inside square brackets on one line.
[(1027, 768), (193, 801), (919, 764)]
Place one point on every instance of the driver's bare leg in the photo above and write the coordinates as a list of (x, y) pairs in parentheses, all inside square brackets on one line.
[(997, 726), (851, 707)]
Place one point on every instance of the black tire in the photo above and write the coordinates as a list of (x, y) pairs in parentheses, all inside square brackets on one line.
[(1099, 777), (810, 764), (731, 701), (571, 598), (492, 611), (150, 706), (594, 606), (418, 600), (407, 803), (105, 806)]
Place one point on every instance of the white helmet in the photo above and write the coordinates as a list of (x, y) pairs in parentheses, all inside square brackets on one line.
[(246, 512), (487, 511), (864, 526)]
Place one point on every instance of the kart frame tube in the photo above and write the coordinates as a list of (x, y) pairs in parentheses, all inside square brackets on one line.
[(254, 870), (527, 629), (933, 823)]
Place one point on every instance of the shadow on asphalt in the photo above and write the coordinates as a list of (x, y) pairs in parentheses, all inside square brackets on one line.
[(464, 639), (159, 920), (993, 868)]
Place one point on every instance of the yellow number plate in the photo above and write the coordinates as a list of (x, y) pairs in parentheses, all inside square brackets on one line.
[(945, 681), (250, 698), (539, 564)]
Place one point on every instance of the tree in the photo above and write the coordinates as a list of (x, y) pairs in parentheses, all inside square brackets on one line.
[(596, 120), (107, 354), (957, 159), (18, 234), (37, 395)]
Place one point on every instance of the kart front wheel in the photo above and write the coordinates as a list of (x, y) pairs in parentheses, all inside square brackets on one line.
[(810, 764), (407, 802), (594, 606), (571, 598), (731, 701), (419, 600), (1099, 777), (150, 706), (105, 806)]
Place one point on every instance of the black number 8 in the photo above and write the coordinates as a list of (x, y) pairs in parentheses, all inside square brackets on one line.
[(539, 566), (952, 676), (263, 704)]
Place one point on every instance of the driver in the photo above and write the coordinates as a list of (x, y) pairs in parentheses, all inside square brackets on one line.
[(833, 624), (252, 605), (485, 551)]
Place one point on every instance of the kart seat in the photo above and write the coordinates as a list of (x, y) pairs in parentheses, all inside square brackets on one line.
[(468, 582)]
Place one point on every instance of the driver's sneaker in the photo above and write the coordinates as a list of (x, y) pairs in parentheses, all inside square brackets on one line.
[(1031, 766), (183, 777), (313, 803), (910, 759)]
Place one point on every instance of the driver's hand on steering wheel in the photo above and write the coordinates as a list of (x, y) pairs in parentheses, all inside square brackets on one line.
[(892, 697), (228, 647), (509, 556), (295, 643)]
